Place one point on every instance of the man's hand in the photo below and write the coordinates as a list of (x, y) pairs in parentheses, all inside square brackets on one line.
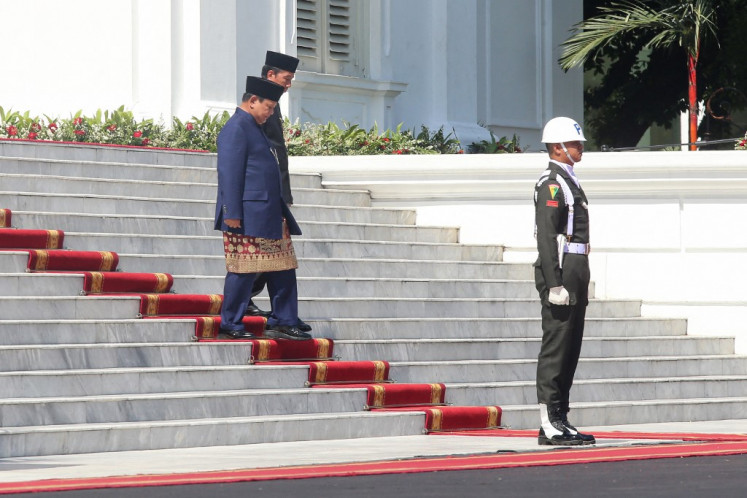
[(233, 223), (559, 296)]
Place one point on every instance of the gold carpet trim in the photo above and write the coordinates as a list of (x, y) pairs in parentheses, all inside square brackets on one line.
[(378, 399), (436, 392), (208, 327), (53, 239), (162, 282), (323, 346), (436, 420), (97, 282), (321, 371), (42, 259), (379, 370), (107, 261)]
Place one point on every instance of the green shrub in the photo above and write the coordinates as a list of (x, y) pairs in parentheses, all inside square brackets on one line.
[(308, 139)]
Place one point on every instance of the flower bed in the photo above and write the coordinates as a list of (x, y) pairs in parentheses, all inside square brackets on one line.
[(119, 127)]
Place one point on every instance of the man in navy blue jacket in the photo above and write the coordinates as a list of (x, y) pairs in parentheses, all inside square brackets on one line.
[(255, 221)]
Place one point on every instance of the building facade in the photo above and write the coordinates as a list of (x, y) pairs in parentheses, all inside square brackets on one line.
[(466, 65)]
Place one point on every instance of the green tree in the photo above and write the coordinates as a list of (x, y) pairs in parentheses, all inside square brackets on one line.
[(629, 43)]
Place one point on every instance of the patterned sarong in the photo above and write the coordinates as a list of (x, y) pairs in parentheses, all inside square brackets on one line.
[(245, 254)]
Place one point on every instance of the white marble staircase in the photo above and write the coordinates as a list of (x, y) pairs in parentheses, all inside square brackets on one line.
[(84, 374)]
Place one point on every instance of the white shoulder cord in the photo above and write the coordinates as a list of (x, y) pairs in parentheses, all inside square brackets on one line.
[(568, 196)]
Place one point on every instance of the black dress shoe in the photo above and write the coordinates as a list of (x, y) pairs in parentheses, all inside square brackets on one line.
[(286, 332), (237, 334), (564, 439), (303, 326), (253, 310)]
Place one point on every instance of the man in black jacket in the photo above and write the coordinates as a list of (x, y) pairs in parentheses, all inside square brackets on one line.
[(279, 68), (561, 275)]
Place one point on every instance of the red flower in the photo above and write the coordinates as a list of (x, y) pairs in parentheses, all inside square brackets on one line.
[(36, 127), (365, 142), (190, 127), (137, 134), (111, 127), (306, 141), (386, 139), (382, 147), (52, 126), (145, 141), (298, 133), (32, 135), (78, 121), (80, 132), (460, 151), (12, 131), (398, 151)]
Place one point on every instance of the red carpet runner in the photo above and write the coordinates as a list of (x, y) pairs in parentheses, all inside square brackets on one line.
[(100, 276), (719, 445)]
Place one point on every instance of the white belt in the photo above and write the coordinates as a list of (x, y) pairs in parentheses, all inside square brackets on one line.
[(576, 248)]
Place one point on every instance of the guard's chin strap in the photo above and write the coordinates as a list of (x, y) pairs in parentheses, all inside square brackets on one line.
[(573, 163)]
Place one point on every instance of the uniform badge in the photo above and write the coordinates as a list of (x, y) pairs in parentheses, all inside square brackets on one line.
[(553, 192), (552, 204)]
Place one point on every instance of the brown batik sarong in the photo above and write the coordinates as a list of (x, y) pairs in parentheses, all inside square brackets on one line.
[(245, 254)]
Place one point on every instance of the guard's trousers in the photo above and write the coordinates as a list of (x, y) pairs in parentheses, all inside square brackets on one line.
[(562, 333), (237, 292)]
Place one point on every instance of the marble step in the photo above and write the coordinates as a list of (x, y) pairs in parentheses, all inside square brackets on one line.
[(114, 408), (59, 331), (157, 186), (483, 328), (57, 284), (74, 153), (90, 168), (335, 266), (601, 390), (375, 287), (340, 307), (588, 368), (131, 436), (605, 413), (214, 265), (185, 245), (145, 380), (78, 356), (526, 348), (156, 225), (67, 307), (144, 198)]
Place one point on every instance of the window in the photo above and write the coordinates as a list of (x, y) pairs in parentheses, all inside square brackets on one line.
[(326, 36)]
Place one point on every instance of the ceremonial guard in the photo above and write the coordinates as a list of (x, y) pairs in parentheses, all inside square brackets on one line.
[(255, 220), (562, 278)]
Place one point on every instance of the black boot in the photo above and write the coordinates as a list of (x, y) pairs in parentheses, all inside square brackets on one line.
[(552, 431), (585, 438)]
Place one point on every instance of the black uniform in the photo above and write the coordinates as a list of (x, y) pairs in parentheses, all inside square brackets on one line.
[(562, 326)]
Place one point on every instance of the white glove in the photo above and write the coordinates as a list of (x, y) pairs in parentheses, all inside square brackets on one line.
[(559, 296)]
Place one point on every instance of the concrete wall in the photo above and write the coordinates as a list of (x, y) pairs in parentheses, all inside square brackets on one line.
[(453, 63)]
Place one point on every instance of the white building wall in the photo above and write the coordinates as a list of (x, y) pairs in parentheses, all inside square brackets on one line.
[(665, 226), (453, 63)]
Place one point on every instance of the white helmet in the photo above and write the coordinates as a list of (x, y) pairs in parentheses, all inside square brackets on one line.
[(559, 130)]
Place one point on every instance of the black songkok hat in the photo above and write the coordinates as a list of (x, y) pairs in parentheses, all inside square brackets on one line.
[(281, 61), (264, 88)]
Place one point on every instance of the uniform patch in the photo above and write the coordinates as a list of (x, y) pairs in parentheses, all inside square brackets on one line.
[(553, 204), (553, 192)]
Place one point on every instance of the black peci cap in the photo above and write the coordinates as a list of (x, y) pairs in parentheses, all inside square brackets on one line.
[(264, 88), (281, 61)]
